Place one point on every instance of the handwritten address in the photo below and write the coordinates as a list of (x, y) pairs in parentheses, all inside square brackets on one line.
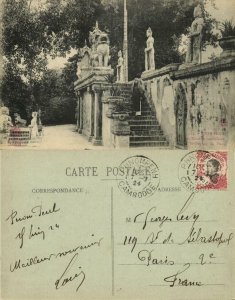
[(160, 229)]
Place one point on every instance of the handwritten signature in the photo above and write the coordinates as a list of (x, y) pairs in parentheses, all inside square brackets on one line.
[(66, 278)]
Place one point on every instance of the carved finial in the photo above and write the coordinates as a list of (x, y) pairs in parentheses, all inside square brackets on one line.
[(149, 30), (85, 43), (198, 11), (96, 25)]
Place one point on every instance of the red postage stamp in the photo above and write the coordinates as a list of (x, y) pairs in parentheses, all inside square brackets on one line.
[(204, 170), (212, 170)]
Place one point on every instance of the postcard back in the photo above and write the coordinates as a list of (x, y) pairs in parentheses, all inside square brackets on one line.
[(126, 225)]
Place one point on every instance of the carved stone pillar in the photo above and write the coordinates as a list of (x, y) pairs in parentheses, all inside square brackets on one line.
[(78, 111), (80, 114), (97, 140), (92, 111)]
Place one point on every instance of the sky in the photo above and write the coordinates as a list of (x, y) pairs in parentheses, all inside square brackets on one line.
[(225, 10)]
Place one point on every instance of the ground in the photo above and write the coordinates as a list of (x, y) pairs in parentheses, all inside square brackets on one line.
[(60, 137), (65, 137)]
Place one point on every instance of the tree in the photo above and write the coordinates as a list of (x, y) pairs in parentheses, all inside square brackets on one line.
[(32, 32), (55, 95)]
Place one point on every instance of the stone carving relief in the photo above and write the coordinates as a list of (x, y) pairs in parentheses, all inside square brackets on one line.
[(86, 114), (180, 106), (19, 122), (167, 94), (223, 104), (168, 100), (193, 108), (158, 90), (5, 119), (195, 37)]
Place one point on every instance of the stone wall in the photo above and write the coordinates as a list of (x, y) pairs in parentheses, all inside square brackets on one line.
[(160, 90), (196, 105)]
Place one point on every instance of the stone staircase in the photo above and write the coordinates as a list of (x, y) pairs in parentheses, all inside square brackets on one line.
[(145, 130), (126, 91)]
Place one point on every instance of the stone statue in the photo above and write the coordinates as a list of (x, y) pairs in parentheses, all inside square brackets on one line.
[(120, 68), (18, 121), (103, 50), (79, 72), (99, 47), (195, 37), (149, 51), (5, 120), (34, 125)]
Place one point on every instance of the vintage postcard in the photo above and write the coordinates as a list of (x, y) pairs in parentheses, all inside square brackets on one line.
[(102, 225), (148, 87), (104, 74)]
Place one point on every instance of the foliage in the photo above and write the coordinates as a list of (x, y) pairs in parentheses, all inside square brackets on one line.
[(227, 28), (55, 96), (123, 106), (115, 89), (60, 110)]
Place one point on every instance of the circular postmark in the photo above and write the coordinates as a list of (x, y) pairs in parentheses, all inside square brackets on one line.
[(203, 170), (138, 176)]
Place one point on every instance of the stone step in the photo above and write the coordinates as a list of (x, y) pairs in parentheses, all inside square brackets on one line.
[(146, 118), (126, 93), (149, 144), (143, 120), (147, 112), (145, 108), (126, 88), (145, 104), (153, 147), (146, 132), (147, 138), (144, 126)]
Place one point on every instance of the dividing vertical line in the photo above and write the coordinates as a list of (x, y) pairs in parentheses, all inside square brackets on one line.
[(112, 241)]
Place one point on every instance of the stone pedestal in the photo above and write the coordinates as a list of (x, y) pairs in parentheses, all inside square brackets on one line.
[(121, 141), (121, 130), (120, 124)]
